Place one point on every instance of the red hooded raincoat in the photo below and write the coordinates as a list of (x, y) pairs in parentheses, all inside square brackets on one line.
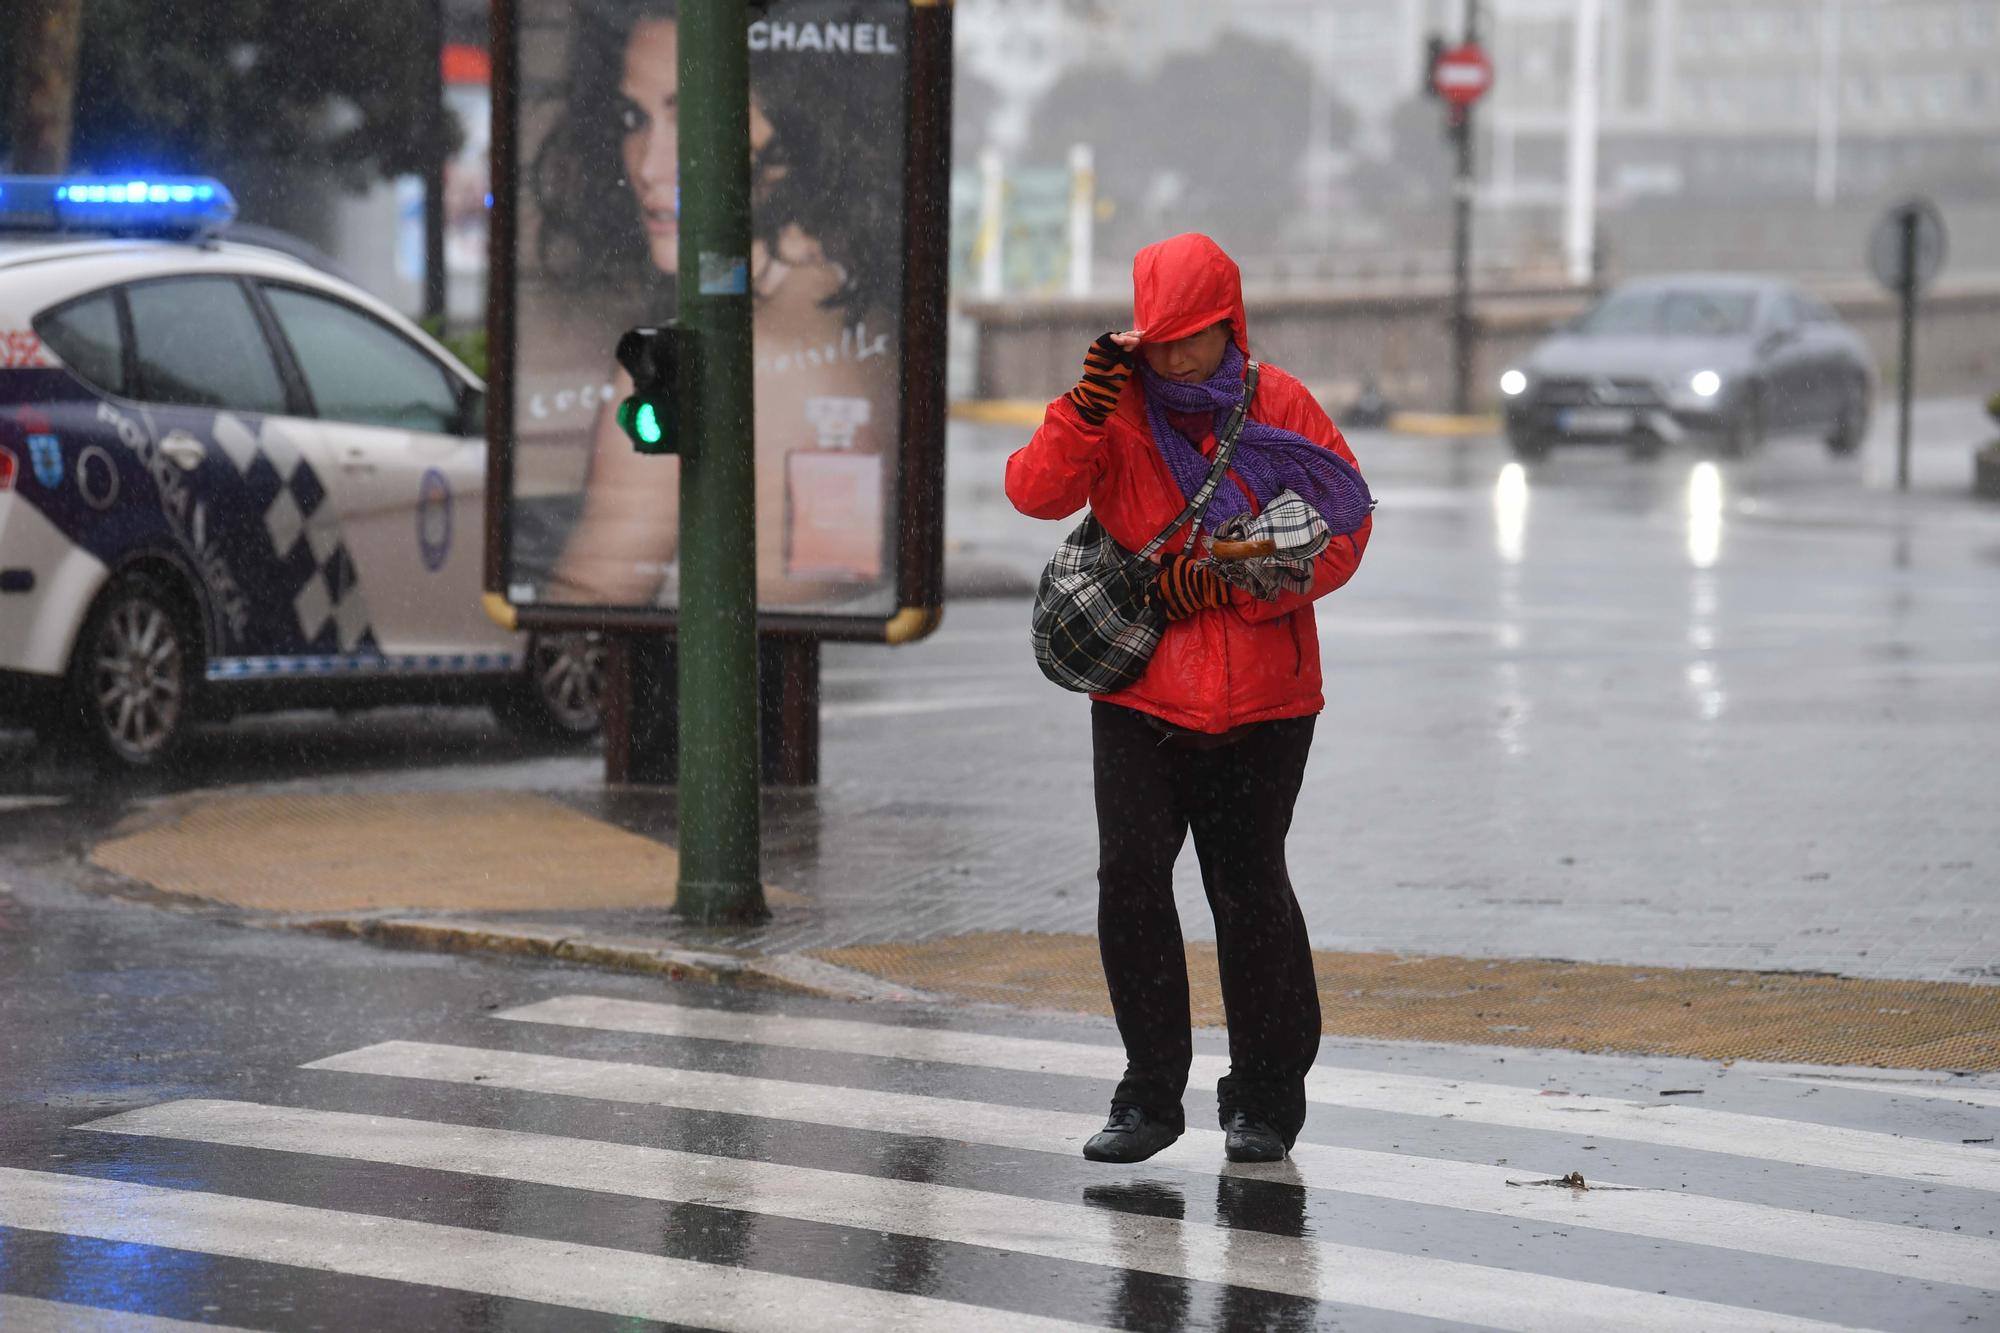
[(1248, 661)]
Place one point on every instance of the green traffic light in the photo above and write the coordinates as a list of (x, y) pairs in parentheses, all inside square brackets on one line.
[(640, 420)]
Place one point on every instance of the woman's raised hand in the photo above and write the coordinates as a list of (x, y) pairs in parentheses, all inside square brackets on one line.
[(1106, 368)]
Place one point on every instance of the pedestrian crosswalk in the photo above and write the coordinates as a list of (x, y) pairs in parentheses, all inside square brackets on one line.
[(587, 1161)]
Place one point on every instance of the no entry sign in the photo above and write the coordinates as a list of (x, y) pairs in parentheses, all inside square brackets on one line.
[(1462, 75)]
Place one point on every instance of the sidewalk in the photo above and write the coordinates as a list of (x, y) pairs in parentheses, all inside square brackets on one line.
[(460, 871)]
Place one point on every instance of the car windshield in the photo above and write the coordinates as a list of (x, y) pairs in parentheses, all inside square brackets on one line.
[(1673, 312)]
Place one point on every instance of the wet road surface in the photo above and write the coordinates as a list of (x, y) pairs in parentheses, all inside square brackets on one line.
[(251, 1129)]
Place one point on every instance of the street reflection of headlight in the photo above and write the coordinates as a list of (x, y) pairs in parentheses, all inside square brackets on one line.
[(1513, 383), (1706, 383), (1510, 513), (1704, 530)]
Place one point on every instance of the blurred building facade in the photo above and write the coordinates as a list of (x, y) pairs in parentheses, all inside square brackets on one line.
[(1731, 133)]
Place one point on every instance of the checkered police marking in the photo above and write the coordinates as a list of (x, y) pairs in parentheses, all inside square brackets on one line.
[(327, 601)]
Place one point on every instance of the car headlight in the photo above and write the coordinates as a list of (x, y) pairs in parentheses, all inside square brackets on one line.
[(1705, 383), (1513, 383)]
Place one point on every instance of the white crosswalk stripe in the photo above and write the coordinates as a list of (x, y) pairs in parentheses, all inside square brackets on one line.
[(1469, 1245), (1946, 1092), (1382, 1280), (1778, 1232), (584, 1277), (1762, 1137)]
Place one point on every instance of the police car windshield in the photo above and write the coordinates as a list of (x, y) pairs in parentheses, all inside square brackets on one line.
[(1672, 312)]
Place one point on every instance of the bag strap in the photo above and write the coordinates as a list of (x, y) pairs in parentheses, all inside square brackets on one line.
[(1225, 449)]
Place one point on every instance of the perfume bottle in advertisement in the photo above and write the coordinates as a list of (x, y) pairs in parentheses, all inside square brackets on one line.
[(833, 495)]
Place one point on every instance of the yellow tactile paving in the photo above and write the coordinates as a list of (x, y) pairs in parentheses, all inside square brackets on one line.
[(1700, 1013), (446, 851)]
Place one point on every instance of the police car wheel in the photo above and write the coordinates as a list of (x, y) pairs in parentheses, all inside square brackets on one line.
[(561, 695), (131, 680), (1850, 426)]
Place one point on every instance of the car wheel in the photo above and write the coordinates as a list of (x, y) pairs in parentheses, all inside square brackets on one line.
[(561, 694), (132, 677), (1850, 425), (1744, 431), (1645, 447), (1529, 448)]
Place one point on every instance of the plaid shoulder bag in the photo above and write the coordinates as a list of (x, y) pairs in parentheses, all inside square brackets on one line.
[(1093, 628)]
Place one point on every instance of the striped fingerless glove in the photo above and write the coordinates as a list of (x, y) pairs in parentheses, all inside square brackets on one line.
[(1106, 367), (1184, 586)]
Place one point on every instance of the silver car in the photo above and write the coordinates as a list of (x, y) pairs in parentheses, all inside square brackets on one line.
[(1721, 361)]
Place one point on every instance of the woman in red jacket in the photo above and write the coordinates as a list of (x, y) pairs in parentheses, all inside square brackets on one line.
[(1214, 736)]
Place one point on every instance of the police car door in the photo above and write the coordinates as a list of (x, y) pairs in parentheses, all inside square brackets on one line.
[(240, 478), (407, 481)]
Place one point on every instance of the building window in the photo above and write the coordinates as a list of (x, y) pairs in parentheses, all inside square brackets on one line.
[(1977, 18), (1639, 54), (1937, 97)]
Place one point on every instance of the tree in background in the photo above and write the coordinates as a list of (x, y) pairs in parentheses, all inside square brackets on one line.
[(203, 85), (1211, 141), (42, 98), (1418, 170)]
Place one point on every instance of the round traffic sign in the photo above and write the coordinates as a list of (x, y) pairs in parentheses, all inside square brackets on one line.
[(1885, 245), (1462, 75)]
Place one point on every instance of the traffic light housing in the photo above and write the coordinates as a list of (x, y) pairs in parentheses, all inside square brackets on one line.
[(652, 357)]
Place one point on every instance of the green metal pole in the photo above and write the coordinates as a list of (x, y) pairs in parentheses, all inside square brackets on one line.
[(718, 521)]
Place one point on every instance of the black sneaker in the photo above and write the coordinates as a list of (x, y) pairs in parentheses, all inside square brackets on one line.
[(1245, 1138), (1132, 1134)]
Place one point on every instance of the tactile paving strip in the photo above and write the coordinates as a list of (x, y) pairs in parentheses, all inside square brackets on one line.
[(449, 851), (1699, 1013)]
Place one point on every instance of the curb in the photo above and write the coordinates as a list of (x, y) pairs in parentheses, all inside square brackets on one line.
[(1443, 425), (793, 974), (1000, 411)]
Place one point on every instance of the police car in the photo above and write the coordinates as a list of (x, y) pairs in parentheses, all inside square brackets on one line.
[(230, 481)]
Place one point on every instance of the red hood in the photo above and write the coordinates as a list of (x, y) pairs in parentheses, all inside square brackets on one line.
[(1184, 284)]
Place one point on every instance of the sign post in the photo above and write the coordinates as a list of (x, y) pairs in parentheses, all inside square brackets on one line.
[(718, 631), (1461, 77), (1905, 253)]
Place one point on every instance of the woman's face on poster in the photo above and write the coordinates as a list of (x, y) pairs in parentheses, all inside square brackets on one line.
[(650, 118)]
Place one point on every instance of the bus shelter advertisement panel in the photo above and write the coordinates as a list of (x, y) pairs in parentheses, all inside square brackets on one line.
[(597, 251)]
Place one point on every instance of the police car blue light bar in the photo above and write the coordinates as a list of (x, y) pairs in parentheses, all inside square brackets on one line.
[(137, 205)]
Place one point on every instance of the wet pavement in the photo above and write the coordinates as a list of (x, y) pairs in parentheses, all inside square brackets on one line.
[(1660, 712), (255, 1129)]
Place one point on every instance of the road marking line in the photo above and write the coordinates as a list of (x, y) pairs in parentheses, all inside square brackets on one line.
[(1767, 1138), (1675, 1216), (1957, 1091), (26, 1314), (584, 1277), (12, 803), (1318, 1270), (903, 707)]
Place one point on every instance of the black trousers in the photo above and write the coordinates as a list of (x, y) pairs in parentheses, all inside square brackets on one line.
[(1237, 798)]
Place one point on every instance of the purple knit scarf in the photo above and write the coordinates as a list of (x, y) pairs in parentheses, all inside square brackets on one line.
[(1269, 460)]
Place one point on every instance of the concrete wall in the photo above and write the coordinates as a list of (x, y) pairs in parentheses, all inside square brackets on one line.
[(1335, 340)]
